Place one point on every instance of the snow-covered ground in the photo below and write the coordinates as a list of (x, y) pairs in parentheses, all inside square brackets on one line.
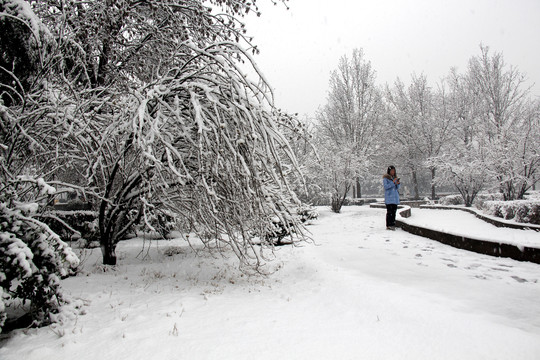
[(361, 292), (461, 223)]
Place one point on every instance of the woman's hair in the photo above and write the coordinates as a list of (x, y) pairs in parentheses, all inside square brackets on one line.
[(390, 168)]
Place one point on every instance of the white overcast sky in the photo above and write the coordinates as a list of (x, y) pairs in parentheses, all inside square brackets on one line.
[(301, 46)]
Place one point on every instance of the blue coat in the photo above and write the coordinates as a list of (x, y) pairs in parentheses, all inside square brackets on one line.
[(391, 194)]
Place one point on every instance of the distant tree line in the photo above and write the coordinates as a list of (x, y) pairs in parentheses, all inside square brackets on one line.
[(475, 130)]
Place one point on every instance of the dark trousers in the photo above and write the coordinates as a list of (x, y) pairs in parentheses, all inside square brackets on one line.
[(391, 210)]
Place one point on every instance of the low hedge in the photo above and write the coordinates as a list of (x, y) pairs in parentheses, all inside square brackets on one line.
[(478, 200), (522, 211)]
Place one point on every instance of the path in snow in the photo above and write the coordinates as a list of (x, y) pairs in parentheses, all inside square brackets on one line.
[(361, 293), (433, 267)]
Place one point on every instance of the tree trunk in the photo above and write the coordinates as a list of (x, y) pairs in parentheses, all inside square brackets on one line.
[(433, 193), (508, 191), (522, 190), (358, 188), (415, 185), (465, 195), (336, 203), (338, 200), (108, 250)]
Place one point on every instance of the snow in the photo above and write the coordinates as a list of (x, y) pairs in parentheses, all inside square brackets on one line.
[(18, 253), (21, 9), (461, 223), (359, 292), (486, 215), (27, 208), (45, 188)]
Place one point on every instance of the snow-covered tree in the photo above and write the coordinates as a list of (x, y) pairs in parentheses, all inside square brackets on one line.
[(461, 161), (419, 126), (495, 129), (465, 170), (213, 150), (507, 119), (32, 257), (347, 125), (148, 110)]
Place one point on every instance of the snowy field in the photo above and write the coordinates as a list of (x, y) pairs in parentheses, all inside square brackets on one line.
[(361, 292)]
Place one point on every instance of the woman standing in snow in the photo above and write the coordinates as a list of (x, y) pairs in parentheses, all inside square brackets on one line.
[(391, 196)]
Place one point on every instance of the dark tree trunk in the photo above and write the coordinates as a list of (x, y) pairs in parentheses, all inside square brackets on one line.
[(433, 193), (358, 188), (522, 191), (415, 185), (338, 200), (108, 250), (115, 205)]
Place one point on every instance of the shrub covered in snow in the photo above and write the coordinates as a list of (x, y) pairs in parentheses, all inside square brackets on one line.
[(482, 198), (307, 213), (276, 229), (533, 195), (523, 211), (479, 200), (76, 224), (451, 200), (353, 202), (32, 261)]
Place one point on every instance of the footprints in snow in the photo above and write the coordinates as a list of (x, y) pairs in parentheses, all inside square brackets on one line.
[(422, 252), (490, 272)]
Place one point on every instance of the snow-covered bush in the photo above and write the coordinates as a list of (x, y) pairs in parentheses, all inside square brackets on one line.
[(522, 211), (32, 260), (307, 213), (481, 199), (165, 223), (533, 195), (451, 200), (75, 224), (276, 229), (353, 202)]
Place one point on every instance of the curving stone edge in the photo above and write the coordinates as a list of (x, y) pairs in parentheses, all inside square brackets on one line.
[(486, 218), (479, 246), (468, 243), (403, 210)]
